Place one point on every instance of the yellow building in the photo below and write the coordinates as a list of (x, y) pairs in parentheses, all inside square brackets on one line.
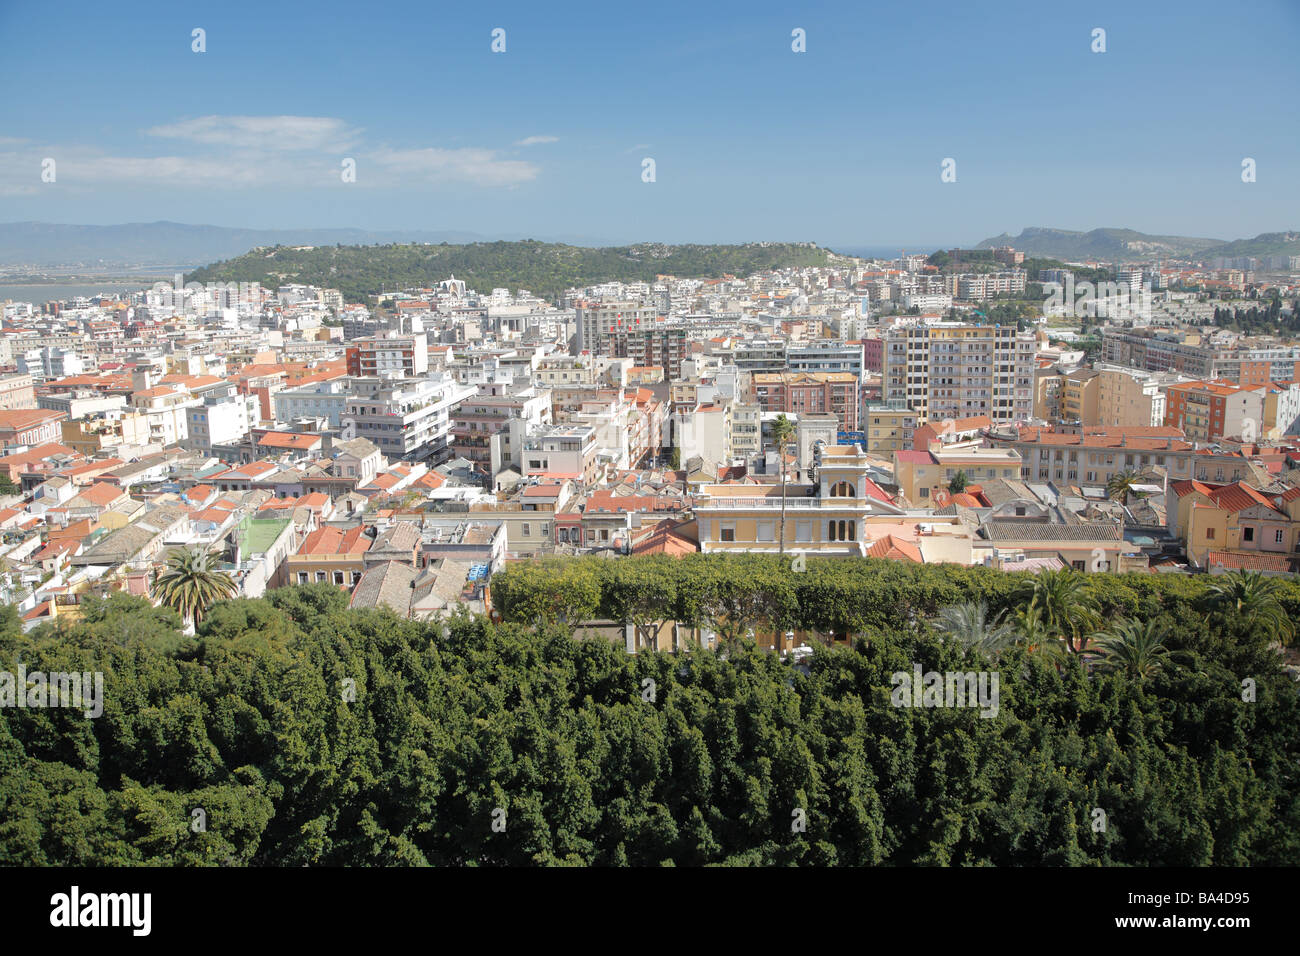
[(1236, 526), (1079, 396), (920, 473), (889, 430), (842, 513)]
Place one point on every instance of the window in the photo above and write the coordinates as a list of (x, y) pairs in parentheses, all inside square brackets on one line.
[(338, 577), (1278, 535), (727, 532), (803, 531), (303, 577), (526, 531), (1209, 534), (320, 575), (766, 531), (1248, 534)]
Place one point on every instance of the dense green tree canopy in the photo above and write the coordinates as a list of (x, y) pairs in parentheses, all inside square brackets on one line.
[(546, 269), (308, 733)]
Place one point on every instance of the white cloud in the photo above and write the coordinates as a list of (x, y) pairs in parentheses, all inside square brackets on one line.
[(272, 133), (479, 167), (258, 152), (536, 140)]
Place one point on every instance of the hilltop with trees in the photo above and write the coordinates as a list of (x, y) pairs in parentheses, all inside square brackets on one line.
[(543, 268)]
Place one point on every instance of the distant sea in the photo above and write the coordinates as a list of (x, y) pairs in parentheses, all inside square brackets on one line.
[(37, 293), (886, 252)]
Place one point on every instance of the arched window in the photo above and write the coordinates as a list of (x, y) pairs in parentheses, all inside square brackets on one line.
[(842, 489)]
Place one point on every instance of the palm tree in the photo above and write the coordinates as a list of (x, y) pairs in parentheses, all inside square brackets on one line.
[(782, 432), (1066, 608), (970, 625), (191, 585), (958, 484), (1136, 648), (1254, 598), (1034, 634), (1121, 483)]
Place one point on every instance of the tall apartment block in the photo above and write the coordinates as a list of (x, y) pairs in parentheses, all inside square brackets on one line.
[(809, 393), (403, 356), (949, 370)]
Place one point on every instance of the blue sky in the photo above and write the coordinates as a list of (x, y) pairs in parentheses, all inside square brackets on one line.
[(841, 144)]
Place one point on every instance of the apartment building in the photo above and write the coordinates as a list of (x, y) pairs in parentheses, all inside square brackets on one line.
[(827, 355), (827, 517), (17, 392), (665, 346), (746, 431), (950, 370), (888, 429), (406, 418), (1130, 396), (1093, 455), (1209, 411), (920, 474), (703, 430), (1080, 395), (599, 322), (329, 554), (488, 413), (982, 286), (809, 393), (327, 399), (401, 356), (1162, 350), (1236, 526), (224, 416), (568, 451), (584, 369), (24, 428)]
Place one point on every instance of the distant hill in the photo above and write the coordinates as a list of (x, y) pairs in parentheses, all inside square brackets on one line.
[(1101, 244), (135, 245), (1265, 244), (545, 269)]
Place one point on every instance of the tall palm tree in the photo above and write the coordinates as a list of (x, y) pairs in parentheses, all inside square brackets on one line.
[(1121, 483), (1066, 608), (191, 585), (970, 625), (1253, 597), (1034, 634), (1136, 648), (782, 432)]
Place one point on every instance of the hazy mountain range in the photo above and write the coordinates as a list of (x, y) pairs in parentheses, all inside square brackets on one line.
[(1127, 245), (141, 245), (132, 247)]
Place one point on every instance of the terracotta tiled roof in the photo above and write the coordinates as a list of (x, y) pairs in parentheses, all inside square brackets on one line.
[(896, 549), (1248, 561), (331, 540)]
